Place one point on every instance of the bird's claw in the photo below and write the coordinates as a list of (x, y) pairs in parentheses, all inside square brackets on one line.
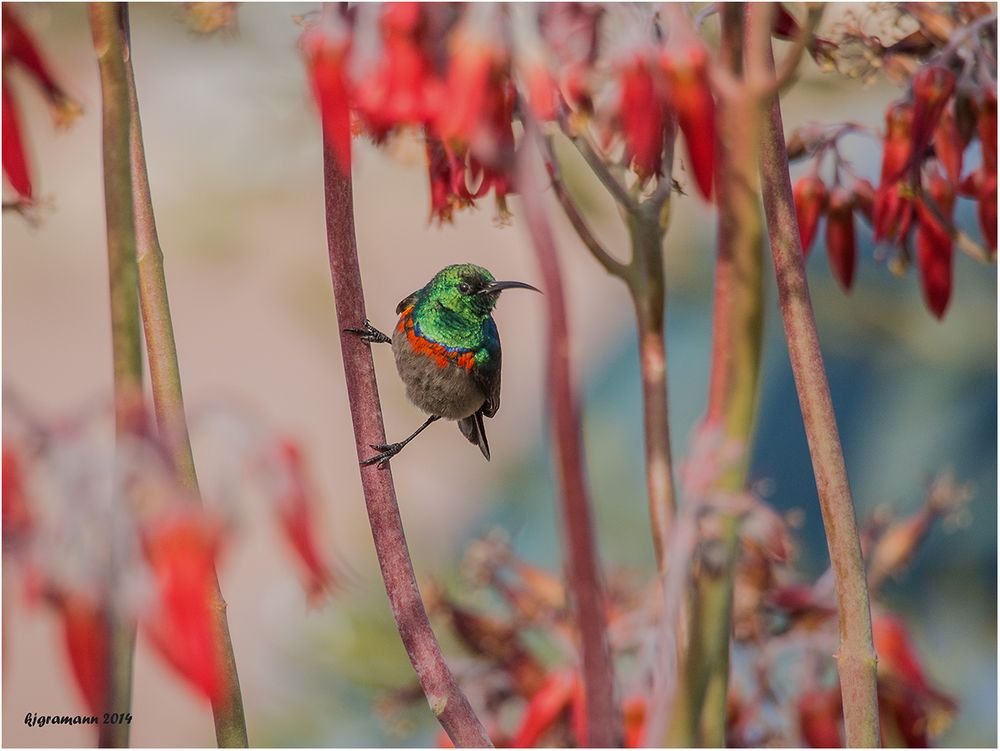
[(385, 452), (369, 333)]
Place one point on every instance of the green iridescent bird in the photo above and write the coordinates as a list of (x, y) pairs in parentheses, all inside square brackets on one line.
[(447, 352)]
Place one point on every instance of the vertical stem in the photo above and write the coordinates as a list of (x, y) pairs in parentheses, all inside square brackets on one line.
[(125, 338), (585, 583), (168, 401), (439, 686), (646, 281), (736, 352), (856, 659)]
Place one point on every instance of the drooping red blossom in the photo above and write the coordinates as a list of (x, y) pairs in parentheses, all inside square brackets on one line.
[(545, 709), (987, 123), (892, 209), (987, 209), (948, 146), (909, 705), (476, 93), (17, 517), (326, 46), (444, 196), (634, 716), (933, 86), (181, 550), (401, 88), (542, 92), (810, 203), (935, 245), (296, 514), (685, 63), (821, 718), (85, 631), (841, 239), (641, 112), (15, 161)]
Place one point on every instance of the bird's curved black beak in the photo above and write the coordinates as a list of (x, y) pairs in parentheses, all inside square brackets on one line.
[(495, 288)]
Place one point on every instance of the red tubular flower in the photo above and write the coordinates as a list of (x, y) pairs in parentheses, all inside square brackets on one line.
[(296, 515), (841, 242), (641, 112), (987, 208), (933, 86), (15, 162), (634, 713), (542, 91), (890, 212), (686, 68), (810, 203), (326, 50), (987, 122), (948, 146), (935, 246), (545, 709), (820, 718), (17, 518), (402, 88), (181, 551), (85, 630)]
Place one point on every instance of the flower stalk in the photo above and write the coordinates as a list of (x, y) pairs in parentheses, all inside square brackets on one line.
[(109, 47), (604, 723), (443, 694), (168, 399), (856, 658)]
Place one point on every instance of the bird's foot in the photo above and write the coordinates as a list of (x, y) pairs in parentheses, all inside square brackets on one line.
[(385, 452), (369, 334)]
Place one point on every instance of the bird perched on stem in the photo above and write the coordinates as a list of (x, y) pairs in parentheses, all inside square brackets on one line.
[(447, 352)]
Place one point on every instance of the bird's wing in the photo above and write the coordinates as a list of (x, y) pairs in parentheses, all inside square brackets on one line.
[(487, 377), (408, 301)]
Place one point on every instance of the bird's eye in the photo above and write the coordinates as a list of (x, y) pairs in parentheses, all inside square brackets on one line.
[(464, 288)]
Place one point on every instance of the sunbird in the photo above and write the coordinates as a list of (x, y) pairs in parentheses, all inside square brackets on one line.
[(447, 352)]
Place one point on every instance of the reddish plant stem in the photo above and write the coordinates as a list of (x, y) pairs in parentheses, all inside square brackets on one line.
[(109, 47), (856, 658), (586, 587), (446, 699), (168, 403)]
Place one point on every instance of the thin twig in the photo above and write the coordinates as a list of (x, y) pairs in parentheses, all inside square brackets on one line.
[(109, 46), (611, 264), (604, 727), (856, 659), (443, 694), (583, 144), (168, 404)]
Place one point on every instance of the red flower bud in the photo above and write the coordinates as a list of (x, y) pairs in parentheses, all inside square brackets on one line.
[(898, 145), (15, 162), (295, 509), (85, 630), (542, 92), (948, 146), (401, 88), (690, 94), (641, 111), (933, 86), (987, 123), (841, 242), (326, 48), (935, 246), (545, 709), (987, 209), (810, 203), (181, 551), (820, 718)]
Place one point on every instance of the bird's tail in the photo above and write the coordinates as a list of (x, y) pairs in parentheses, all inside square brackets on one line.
[(472, 428)]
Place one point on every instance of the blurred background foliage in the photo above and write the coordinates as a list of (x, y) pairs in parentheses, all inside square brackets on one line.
[(234, 159)]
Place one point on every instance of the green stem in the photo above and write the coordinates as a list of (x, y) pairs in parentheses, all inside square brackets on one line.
[(856, 658), (125, 337), (168, 402)]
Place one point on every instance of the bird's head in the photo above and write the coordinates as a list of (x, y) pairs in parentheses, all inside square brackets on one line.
[(468, 290)]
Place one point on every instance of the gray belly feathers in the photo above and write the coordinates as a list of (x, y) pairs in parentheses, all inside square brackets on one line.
[(447, 392)]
